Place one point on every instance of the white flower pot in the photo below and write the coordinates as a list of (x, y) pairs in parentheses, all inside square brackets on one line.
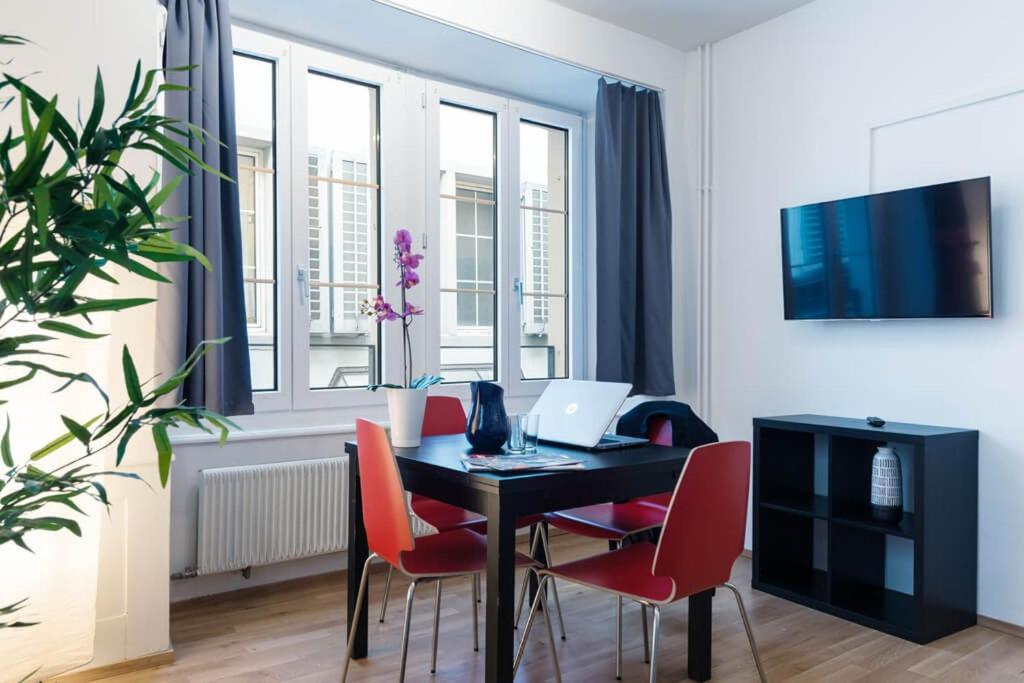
[(405, 409)]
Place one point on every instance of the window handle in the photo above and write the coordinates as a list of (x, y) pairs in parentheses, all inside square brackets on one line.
[(303, 281), (517, 287)]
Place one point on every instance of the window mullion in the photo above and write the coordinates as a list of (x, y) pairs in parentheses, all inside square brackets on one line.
[(513, 270)]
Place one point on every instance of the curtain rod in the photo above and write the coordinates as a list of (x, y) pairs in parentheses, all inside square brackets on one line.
[(568, 62)]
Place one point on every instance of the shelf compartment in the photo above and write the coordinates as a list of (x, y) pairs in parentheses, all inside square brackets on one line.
[(864, 576), (785, 468), (884, 609), (850, 483), (793, 554)]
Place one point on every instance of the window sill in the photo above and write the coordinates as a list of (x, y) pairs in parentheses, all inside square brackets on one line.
[(267, 434)]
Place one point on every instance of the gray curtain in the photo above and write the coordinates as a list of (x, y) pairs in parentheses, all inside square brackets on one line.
[(211, 305), (634, 241)]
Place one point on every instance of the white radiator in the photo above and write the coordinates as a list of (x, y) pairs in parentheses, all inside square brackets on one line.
[(261, 514)]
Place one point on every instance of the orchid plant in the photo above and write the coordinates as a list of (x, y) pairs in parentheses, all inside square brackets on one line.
[(381, 311)]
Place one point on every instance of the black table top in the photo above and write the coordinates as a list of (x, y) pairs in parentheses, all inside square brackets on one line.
[(445, 452)]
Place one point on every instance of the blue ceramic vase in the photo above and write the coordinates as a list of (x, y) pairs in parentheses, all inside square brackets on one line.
[(487, 424)]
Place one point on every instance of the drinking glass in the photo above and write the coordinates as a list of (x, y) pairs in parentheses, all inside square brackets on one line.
[(517, 433), (532, 431)]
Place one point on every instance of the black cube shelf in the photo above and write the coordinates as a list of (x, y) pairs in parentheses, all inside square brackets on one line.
[(816, 542)]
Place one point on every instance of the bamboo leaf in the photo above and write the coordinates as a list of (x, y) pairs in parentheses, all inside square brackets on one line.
[(59, 442), (133, 90), (103, 305), (131, 377), (68, 328), (164, 452), (98, 102), (77, 430), (41, 197), (122, 445), (5, 445)]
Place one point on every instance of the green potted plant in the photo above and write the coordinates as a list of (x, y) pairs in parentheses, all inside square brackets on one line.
[(72, 214)]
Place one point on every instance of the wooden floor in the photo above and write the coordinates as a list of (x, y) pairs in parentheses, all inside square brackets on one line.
[(295, 634)]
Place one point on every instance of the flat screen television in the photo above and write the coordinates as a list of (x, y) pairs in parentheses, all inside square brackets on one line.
[(918, 253)]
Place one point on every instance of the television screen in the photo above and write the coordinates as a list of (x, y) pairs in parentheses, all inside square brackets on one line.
[(918, 253)]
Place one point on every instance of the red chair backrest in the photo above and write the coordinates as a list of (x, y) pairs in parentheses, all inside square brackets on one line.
[(707, 519), (443, 415), (385, 515), (659, 431)]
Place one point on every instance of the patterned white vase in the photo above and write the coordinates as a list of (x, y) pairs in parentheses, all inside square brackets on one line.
[(886, 486)]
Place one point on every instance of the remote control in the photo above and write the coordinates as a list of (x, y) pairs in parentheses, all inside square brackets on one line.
[(876, 422)]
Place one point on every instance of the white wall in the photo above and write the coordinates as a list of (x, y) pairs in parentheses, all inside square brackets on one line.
[(549, 29), (795, 101)]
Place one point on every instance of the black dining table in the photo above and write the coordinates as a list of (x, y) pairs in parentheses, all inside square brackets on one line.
[(435, 469)]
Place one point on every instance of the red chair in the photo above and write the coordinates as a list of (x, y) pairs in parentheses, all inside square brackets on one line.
[(700, 541), (659, 431), (614, 522), (448, 554), (445, 415)]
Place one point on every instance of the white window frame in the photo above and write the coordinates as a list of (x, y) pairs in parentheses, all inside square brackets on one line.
[(409, 110), (438, 92), (394, 111), (576, 247), (276, 51)]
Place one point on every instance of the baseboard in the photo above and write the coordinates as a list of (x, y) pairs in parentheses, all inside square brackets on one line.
[(110, 670), (1001, 626)]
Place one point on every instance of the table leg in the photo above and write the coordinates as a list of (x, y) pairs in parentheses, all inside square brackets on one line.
[(358, 551), (699, 636), (501, 592)]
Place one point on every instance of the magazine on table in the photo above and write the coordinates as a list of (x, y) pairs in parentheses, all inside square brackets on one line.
[(476, 462)]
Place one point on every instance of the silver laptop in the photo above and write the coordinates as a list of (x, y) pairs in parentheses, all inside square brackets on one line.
[(577, 413)]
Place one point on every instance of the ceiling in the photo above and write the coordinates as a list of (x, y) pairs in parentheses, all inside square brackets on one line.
[(684, 24)]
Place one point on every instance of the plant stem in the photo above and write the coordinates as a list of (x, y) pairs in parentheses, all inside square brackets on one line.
[(406, 357)]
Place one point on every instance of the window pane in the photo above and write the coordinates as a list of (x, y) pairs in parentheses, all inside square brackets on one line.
[(468, 216), (465, 258), (485, 216), (485, 260), (544, 241), (343, 196), (254, 95)]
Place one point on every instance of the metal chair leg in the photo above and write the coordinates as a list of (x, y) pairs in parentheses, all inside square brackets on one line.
[(619, 637), (541, 592), (476, 610), (526, 582), (387, 592), (529, 620), (654, 644), (554, 584), (551, 635), (750, 632), (437, 626), (405, 629), (360, 599), (647, 644)]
